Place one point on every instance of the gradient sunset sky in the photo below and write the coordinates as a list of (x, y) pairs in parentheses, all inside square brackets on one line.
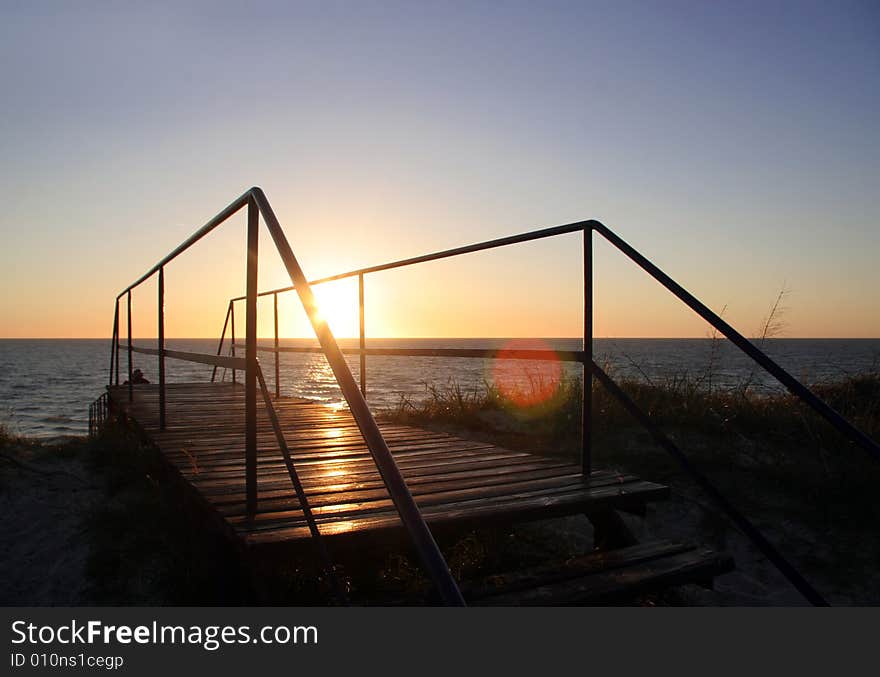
[(735, 144)]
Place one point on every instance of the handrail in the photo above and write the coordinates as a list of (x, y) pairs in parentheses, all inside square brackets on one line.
[(201, 358), (539, 234), (258, 204), (432, 559), (318, 539), (99, 412), (406, 506), (749, 529), (231, 209), (794, 386), (591, 368), (486, 353)]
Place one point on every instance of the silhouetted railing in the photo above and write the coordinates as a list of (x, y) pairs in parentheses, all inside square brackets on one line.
[(794, 386), (355, 395), (99, 411), (256, 203), (586, 357)]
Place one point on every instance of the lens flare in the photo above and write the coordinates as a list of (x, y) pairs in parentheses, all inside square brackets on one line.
[(527, 383)]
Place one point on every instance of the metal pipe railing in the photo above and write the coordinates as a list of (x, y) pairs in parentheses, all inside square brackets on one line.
[(410, 515), (362, 337), (741, 521), (587, 356), (226, 361), (315, 532), (794, 386), (590, 368), (224, 215), (791, 383), (232, 335), (114, 350), (407, 509), (222, 337), (539, 234), (580, 226), (485, 353), (277, 363), (130, 383), (427, 548), (250, 356), (161, 348)]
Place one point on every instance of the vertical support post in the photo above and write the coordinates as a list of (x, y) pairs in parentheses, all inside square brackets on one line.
[(250, 372), (130, 385), (114, 356), (232, 329), (222, 338), (161, 347), (116, 341), (363, 336), (277, 366), (587, 413), (410, 515)]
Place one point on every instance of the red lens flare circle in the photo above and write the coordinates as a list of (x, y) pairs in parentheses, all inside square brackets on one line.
[(523, 380)]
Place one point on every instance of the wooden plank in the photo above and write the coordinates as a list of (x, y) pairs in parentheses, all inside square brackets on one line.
[(622, 582), (473, 514), (574, 567)]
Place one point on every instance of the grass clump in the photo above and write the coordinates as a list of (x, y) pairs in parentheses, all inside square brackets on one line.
[(489, 409)]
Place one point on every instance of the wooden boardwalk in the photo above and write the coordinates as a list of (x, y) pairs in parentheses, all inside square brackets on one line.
[(456, 482)]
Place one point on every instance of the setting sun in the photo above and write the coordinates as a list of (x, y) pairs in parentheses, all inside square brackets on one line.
[(338, 306)]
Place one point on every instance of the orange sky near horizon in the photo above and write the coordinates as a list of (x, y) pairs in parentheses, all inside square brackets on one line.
[(526, 290)]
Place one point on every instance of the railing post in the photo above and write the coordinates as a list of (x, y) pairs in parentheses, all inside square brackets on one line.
[(277, 366), (403, 500), (114, 357), (162, 348), (587, 412), (130, 384), (250, 373), (232, 333), (116, 341), (222, 337), (363, 336)]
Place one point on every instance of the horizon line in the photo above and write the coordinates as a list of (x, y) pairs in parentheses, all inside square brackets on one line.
[(443, 338)]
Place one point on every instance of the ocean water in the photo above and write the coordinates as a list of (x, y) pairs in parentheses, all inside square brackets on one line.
[(46, 385)]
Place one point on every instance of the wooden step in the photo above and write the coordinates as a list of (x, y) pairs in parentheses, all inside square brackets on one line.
[(601, 577)]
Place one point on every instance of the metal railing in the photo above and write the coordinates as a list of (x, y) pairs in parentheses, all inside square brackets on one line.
[(258, 205), (355, 394), (99, 413), (585, 357), (790, 382)]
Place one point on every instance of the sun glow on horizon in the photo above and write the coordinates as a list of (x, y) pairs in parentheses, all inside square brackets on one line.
[(338, 307)]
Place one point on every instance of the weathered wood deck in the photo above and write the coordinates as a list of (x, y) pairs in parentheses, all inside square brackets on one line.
[(454, 481)]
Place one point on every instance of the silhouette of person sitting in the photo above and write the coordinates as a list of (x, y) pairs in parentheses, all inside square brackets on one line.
[(137, 376)]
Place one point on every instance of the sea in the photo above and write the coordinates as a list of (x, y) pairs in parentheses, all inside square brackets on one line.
[(46, 385)]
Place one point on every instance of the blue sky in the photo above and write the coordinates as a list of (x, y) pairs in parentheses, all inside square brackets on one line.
[(736, 144)]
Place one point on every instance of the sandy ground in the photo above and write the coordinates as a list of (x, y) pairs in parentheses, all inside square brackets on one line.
[(44, 500)]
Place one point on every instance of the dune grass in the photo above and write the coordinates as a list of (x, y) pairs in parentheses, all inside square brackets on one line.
[(680, 401), (775, 439)]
